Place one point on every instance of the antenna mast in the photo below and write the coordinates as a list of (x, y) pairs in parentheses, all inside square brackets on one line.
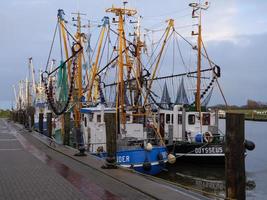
[(196, 13)]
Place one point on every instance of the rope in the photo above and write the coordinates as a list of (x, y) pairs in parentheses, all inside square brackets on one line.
[(51, 48), (217, 75), (60, 42)]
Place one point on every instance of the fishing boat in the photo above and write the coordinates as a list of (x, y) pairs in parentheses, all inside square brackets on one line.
[(79, 90), (39, 99), (133, 149), (191, 129)]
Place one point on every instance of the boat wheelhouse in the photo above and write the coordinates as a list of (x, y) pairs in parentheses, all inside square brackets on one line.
[(133, 151)]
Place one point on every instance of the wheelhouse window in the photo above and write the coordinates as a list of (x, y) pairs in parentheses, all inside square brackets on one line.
[(168, 118), (206, 119), (191, 119), (180, 119), (90, 117), (98, 118)]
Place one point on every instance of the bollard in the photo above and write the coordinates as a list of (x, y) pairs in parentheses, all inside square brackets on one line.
[(32, 111), (49, 124), (111, 135), (80, 141), (66, 140), (41, 123), (25, 119), (20, 117), (235, 157), (15, 116)]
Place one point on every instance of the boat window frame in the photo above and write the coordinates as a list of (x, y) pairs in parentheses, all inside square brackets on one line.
[(191, 121), (205, 119), (90, 117), (168, 118), (98, 118)]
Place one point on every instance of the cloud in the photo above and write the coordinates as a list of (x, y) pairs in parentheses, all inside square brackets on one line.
[(232, 29), (243, 67)]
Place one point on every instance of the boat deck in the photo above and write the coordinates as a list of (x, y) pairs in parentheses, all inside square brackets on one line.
[(32, 167)]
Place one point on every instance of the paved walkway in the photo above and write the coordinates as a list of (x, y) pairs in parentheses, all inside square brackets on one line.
[(29, 169), (28, 173), (25, 177)]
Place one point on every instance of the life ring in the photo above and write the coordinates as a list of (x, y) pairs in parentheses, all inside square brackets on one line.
[(208, 137)]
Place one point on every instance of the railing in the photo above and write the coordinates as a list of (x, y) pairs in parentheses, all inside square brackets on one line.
[(215, 139)]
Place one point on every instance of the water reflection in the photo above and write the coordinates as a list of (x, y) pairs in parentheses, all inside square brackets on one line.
[(207, 179)]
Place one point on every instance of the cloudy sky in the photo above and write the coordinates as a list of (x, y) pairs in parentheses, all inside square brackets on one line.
[(234, 31)]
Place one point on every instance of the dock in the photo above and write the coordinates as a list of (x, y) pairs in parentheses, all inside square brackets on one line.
[(34, 167)]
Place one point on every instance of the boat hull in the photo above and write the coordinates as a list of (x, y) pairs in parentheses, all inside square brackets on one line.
[(148, 162), (206, 153), (36, 127)]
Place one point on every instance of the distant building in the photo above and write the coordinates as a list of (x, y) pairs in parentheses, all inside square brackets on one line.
[(264, 112)]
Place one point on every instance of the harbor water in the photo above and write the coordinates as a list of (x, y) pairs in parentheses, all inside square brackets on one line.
[(209, 179)]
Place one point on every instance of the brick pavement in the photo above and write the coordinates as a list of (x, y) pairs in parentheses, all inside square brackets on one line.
[(29, 169), (22, 176)]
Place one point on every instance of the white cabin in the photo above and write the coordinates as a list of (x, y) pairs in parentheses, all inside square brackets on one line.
[(94, 128), (181, 125)]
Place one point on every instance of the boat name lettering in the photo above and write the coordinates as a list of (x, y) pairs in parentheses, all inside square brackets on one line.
[(123, 159), (208, 150), (164, 154)]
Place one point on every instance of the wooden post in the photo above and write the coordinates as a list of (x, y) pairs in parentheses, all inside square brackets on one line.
[(16, 116), (30, 117), (25, 119), (13, 116), (21, 117), (41, 123), (32, 111), (66, 140), (111, 140), (49, 124), (235, 157)]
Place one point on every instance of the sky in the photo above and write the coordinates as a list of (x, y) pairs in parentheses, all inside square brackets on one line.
[(234, 33)]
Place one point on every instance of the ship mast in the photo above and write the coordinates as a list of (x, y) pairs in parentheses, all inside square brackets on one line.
[(198, 7), (120, 103), (78, 79), (139, 46)]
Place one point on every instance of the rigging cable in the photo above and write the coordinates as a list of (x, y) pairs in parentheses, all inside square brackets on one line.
[(216, 75), (49, 88), (51, 48)]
